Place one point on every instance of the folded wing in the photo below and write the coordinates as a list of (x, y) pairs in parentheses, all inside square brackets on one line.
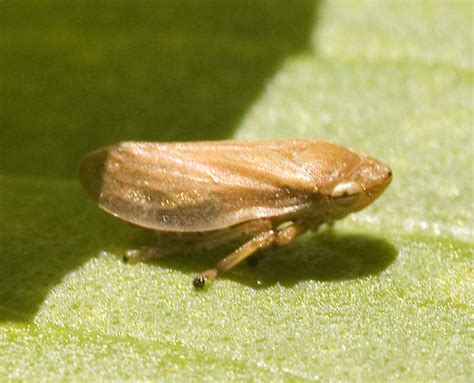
[(192, 187)]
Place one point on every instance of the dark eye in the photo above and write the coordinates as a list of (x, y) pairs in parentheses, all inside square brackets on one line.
[(346, 193)]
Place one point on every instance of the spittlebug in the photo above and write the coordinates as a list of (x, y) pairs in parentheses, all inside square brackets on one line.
[(206, 193)]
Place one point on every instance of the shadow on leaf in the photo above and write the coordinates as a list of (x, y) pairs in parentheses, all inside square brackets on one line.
[(49, 229), (327, 256)]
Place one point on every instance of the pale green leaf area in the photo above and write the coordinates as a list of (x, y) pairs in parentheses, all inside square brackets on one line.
[(384, 295)]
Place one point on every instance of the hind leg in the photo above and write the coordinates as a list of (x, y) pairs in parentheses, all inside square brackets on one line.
[(190, 242)]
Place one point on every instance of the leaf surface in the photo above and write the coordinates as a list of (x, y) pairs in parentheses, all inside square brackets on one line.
[(385, 295)]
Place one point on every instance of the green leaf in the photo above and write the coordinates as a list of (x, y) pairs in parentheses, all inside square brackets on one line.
[(385, 295)]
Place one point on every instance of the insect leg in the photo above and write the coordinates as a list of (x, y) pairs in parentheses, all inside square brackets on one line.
[(143, 254), (215, 239), (283, 237), (189, 242), (261, 241)]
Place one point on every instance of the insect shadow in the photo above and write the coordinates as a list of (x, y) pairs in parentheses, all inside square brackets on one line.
[(325, 256)]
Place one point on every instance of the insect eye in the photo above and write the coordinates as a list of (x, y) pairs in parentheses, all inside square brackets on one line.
[(346, 193)]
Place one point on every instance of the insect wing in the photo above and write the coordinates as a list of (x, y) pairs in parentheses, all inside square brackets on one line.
[(193, 187)]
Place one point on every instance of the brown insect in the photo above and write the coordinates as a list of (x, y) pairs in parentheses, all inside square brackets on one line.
[(208, 193)]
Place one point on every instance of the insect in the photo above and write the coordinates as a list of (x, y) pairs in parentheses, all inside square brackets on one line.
[(207, 193)]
